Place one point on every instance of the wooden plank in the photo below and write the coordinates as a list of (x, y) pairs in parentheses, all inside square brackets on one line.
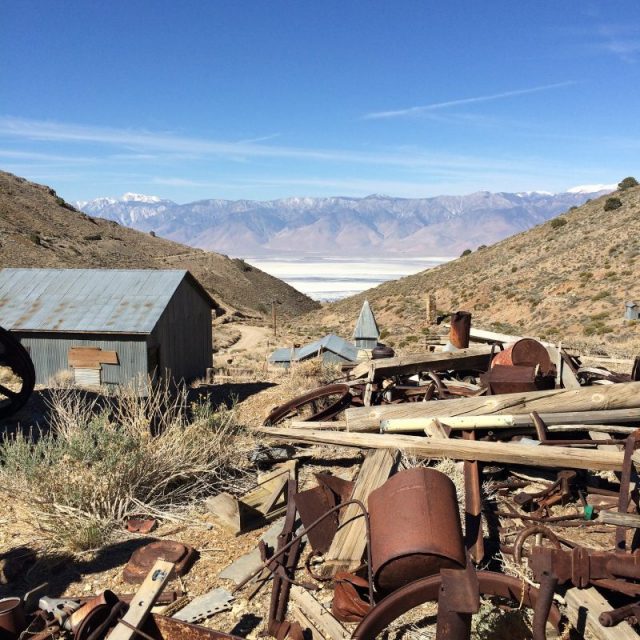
[(349, 543), (472, 358), (615, 396), (619, 519), (143, 601), (91, 357), (262, 504), (562, 421), (321, 618), (339, 425), (583, 608), (437, 448)]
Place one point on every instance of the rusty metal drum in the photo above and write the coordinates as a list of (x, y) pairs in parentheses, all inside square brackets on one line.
[(525, 352), (415, 528)]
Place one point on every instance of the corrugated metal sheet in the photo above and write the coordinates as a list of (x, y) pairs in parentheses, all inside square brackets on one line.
[(282, 355), (88, 300), (50, 354), (332, 343), (366, 327)]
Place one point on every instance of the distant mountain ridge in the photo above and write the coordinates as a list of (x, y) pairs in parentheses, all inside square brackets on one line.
[(438, 226)]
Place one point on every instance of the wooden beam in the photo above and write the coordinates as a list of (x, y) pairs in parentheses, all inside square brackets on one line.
[(567, 420), (322, 619), (437, 448), (615, 396), (471, 358), (631, 520), (583, 608), (350, 541), (143, 601)]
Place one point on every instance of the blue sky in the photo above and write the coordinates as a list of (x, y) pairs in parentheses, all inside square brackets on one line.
[(267, 99)]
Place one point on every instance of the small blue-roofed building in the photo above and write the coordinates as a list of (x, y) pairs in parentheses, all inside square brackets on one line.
[(109, 326), (366, 334), (331, 349)]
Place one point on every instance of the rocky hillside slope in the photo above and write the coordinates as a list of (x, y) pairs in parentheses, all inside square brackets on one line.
[(38, 229), (567, 279)]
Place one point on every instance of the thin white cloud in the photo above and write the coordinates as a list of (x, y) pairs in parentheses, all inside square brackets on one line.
[(412, 111), (148, 141)]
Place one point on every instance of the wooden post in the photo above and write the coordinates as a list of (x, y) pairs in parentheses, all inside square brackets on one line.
[(431, 311), (273, 318)]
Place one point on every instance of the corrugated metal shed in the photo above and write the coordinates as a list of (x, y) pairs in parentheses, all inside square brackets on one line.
[(107, 301), (366, 327)]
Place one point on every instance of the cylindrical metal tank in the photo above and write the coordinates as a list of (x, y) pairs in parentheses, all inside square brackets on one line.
[(415, 528), (525, 352), (460, 329)]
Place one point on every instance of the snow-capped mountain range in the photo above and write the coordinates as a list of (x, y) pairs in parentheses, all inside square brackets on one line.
[(342, 226)]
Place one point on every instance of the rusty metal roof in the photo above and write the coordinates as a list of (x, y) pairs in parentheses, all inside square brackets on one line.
[(87, 300)]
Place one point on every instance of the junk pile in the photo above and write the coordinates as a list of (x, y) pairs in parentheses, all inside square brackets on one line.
[(548, 449), (534, 514)]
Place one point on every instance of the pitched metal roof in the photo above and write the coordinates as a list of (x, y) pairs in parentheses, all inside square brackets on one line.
[(88, 300), (366, 327), (283, 354), (331, 342)]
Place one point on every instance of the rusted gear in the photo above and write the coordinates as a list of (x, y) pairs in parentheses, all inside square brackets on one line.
[(15, 358), (322, 403)]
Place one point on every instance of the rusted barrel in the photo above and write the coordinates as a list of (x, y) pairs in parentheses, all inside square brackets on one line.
[(525, 352), (12, 622), (460, 329), (415, 528)]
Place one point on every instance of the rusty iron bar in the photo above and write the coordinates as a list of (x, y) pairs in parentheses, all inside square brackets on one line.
[(548, 584), (630, 613), (304, 532), (473, 532), (625, 483)]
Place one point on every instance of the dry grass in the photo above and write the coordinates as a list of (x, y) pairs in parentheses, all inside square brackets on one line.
[(102, 461)]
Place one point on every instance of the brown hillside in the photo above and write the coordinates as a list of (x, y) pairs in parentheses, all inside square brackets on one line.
[(38, 229), (567, 279)]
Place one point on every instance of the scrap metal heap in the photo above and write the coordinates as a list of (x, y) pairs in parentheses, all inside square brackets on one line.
[(548, 449)]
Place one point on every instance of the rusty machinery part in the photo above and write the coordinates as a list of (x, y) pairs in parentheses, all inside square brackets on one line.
[(525, 352), (324, 403), (629, 612), (14, 356), (415, 528), (584, 566), (533, 530), (295, 539), (143, 559), (426, 590)]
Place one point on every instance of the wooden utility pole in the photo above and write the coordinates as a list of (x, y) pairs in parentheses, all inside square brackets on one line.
[(273, 318)]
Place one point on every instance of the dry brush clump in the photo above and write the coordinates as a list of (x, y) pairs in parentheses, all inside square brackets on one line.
[(104, 460)]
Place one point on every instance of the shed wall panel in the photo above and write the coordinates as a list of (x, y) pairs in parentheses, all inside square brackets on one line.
[(50, 354), (183, 334)]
